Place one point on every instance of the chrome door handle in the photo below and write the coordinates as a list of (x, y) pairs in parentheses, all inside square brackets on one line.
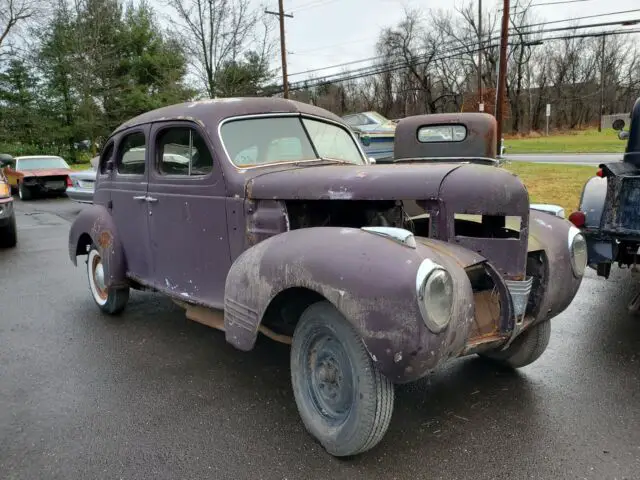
[(151, 199), (140, 197)]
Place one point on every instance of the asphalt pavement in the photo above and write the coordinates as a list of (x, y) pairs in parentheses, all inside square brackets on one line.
[(151, 395), (587, 159)]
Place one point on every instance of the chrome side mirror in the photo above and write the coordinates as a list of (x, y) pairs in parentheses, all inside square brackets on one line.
[(623, 134)]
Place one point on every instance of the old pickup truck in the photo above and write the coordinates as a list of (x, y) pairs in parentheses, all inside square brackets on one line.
[(264, 215)]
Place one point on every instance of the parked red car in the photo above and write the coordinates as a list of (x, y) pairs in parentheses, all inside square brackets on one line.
[(37, 174)]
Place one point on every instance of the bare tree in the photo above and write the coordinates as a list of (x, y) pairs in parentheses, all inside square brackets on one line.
[(216, 32), (15, 12)]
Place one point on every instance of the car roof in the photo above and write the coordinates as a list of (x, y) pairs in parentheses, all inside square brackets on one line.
[(210, 112)]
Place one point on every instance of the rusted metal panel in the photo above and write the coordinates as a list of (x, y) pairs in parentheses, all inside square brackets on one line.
[(377, 296), (480, 140), (351, 182), (96, 222)]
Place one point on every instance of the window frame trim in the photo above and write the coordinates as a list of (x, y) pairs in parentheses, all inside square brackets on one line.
[(300, 116), (170, 124), (118, 156)]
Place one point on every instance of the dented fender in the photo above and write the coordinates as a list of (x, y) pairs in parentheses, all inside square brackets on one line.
[(550, 234), (371, 280), (95, 225)]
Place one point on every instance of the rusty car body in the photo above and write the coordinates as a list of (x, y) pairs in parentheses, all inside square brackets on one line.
[(279, 224), (32, 174), (8, 229)]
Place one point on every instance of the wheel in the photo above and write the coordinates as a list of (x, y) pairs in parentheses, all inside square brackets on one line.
[(343, 399), (109, 300), (526, 348), (24, 193), (9, 234)]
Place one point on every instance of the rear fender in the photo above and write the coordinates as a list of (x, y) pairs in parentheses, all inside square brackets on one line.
[(592, 201), (94, 225), (371, 280)]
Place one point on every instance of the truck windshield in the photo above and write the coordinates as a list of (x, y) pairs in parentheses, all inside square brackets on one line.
[(263, 141)]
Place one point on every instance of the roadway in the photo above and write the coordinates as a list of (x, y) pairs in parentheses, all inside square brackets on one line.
[(151, 395), (587, 159)]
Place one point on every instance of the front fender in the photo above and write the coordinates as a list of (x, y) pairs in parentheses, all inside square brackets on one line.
[(371, 280), (550, 234), (94, 225)]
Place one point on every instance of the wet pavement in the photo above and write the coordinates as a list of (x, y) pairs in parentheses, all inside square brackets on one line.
[(152, 395)]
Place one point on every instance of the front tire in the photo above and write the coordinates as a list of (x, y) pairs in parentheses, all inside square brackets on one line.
[(343, 399), (109, 299), (526, 348), (9, 234)]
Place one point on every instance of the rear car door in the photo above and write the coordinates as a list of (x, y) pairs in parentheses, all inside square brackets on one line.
[(187, 222), (125, 195)]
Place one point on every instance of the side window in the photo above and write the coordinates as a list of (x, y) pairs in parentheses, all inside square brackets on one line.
[(182, 151), (107, 153), (132, 154)]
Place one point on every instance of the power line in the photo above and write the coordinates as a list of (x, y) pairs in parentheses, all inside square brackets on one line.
[(582, 18), (511, 34), (375, 70)]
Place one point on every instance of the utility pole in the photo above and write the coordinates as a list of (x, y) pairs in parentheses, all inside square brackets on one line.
[(283, 51), (502, 71), (601, 84), (480, 102)]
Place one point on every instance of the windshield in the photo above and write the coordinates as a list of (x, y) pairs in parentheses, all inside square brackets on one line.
[(263, 141), (377, 117), (36, 163)]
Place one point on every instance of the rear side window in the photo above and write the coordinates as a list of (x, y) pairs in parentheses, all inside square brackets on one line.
[(132, 153)]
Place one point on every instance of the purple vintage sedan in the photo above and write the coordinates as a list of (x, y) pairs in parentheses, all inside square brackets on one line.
[(263, 215)]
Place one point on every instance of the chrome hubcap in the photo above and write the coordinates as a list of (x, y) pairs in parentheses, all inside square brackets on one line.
[(99, 276)]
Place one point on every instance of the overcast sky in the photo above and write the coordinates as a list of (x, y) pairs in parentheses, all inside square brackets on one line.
[(329, 32)]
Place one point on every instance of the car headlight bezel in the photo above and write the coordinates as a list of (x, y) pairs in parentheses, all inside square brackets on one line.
[(429, 279), (577, 241)]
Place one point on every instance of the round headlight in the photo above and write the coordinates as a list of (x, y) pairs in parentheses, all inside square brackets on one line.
[(578, 251), (435, 295)]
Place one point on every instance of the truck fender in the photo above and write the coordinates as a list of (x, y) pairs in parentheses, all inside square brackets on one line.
[(371, 280), (592, 201), (94, 225)]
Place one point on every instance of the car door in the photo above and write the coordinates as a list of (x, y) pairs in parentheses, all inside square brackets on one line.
[(126, 197), (187, 222)]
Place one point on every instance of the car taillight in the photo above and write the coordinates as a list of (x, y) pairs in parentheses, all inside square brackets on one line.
[(578, 219), (69, 182), (600, 173)]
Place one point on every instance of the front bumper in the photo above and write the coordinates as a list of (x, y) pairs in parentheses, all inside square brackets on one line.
[(80, 195)]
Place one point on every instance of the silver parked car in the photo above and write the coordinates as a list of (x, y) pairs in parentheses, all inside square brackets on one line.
[(83, 183)]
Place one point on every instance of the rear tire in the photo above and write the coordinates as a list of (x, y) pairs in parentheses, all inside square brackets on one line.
[(9, 234), (24, 193), (110, 300), (343, 399), (526, 348)]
